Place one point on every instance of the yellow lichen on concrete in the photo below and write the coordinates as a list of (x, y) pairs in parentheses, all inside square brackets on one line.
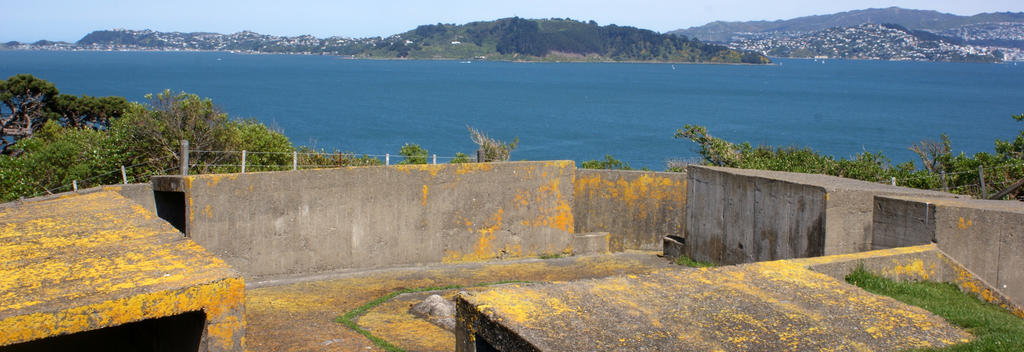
[(962, 224), (555, 210), (468, 168), (523, 306), (637, 194), (430, 169), (915, 268), (483, 248), (426, 190), (212, 179), (99, 260)]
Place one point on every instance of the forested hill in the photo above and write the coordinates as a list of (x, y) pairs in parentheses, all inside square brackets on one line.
[(553, 39), (505, 39)]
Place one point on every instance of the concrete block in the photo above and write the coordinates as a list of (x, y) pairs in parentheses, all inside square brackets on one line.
[(637, 208), (673, 247), (97, 271), (590, 243)]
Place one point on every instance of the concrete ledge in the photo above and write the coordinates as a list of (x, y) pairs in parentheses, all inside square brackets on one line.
[(917, 263), (97, 261), (590, 243)]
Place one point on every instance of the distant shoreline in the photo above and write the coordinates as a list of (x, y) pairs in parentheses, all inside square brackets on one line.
[(354, 57)]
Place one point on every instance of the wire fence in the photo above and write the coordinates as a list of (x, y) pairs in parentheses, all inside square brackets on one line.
[(982, 183)]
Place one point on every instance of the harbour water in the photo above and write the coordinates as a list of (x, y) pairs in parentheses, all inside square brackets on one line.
[(576, 111)]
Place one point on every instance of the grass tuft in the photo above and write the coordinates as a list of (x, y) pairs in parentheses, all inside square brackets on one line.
[(348, 319), (995, 328), (686, 261), (551, 256)]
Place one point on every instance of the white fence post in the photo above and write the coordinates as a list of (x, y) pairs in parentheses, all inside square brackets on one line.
[(295, 160), (435, 159), (124, 176), (74, 185), (387, 159), (894, 180), (243, 161)]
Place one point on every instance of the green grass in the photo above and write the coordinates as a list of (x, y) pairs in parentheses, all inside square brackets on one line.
[(348, 319), (686, 261), (551, 256), (995, 328)]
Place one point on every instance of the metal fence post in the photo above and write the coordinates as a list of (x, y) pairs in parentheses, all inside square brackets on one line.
[(387, 159), (74, 185), (243, 161), (480, 155), (124, 176), (295, 160), (184, 157), (981, 176), (945, 185), (435, 159)]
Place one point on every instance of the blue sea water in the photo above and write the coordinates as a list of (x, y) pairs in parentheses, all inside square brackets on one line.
[(576, 111)]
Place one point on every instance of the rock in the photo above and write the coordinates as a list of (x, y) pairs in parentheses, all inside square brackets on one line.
[(437, 311)]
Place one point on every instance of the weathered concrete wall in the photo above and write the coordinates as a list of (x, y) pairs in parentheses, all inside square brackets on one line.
[(901, 223), (985, 236), (735, 218), (637, 208), (279, 223), (740, 216)]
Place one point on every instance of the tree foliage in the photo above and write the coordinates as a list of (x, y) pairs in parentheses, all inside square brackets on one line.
[(609, 163), (960, 171), (91, 138), (29, 102), (413, 153)]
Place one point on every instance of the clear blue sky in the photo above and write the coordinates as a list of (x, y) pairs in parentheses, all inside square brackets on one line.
[(69, 20)]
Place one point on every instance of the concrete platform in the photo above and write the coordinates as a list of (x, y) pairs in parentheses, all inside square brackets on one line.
[(75, 268), (766, 306), (298, 314)]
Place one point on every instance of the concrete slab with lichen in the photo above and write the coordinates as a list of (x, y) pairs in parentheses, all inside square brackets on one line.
[(766, 306), (299, 315), (85, 262)]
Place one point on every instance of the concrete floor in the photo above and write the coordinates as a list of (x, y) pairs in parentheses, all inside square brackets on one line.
[(298, 314)]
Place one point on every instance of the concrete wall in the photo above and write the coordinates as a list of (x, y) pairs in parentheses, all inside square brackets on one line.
[(901, 223), (637, 208), (985, 236), (279, 223), (733, 218), (740, 216)]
